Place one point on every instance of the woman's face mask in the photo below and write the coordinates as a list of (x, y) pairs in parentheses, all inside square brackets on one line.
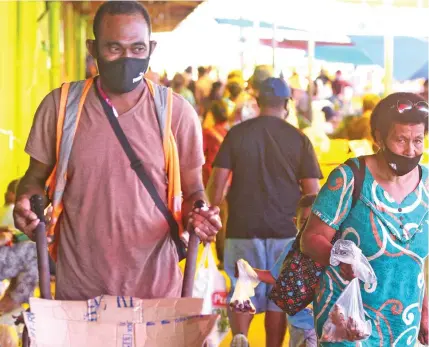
[(399, 164), (403, 147)]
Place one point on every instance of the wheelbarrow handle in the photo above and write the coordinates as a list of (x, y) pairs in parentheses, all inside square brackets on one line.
[(191, 258), (190, 265), (37, 206)]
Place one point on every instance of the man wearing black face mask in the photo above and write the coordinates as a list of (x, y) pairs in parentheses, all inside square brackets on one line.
[(113, 237), (272, 164)]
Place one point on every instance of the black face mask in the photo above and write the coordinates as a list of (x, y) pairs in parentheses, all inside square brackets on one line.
[(124, 74), (399, 164)]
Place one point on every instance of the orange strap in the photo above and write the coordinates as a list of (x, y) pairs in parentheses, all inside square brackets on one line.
[(52, 180)]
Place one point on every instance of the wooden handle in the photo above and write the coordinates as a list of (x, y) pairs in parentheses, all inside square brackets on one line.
[(190, 266), (191, 259), (37, 206)]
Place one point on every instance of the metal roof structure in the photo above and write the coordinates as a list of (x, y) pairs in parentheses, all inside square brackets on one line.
[(165, 15)]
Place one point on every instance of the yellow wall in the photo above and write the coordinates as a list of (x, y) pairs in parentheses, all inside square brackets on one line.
[(7, 90), (40, 53)]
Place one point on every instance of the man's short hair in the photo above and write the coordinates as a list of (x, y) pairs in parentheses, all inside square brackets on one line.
[(202, 70), (218, 109), (117, 8)]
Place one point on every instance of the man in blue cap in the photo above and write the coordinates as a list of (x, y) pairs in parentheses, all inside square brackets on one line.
[(272, 165)]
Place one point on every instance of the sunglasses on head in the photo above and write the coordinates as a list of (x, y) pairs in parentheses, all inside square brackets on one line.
[(404, 105)]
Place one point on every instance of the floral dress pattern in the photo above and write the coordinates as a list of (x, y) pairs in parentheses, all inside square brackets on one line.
[(394, 238)]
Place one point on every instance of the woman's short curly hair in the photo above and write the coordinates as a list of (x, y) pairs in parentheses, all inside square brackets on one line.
[(385, 114)]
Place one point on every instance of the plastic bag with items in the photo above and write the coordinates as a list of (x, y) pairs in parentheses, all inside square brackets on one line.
[(346, 320), (210, 285), (244, 288)]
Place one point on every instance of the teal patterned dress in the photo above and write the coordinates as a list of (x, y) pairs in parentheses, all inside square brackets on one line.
[(394, 238)]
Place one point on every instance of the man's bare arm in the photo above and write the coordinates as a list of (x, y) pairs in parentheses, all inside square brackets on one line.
[(32, 183), (193, 189), (217, 185), (310, 186), (34, 179)]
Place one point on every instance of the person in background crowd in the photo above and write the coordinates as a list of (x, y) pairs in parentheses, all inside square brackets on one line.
[(189, 81), (338, 84), (323, 77), (305, 118), (235, 95), (232, 96), (215, 94), (388, 224), (235, 87), (359, 127), (301, 325), (203, 86), (249, 108), (332, 120), (153, 76), (164, 79), (271, 163), (18, 257), (212, 140), (295, 82), (369, 102), (214, 136), (216, 91), (6, 211), (179, 87), (129, 250)]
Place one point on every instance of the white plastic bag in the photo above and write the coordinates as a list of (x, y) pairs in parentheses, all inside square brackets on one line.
[(244, 288), (345, 251), (346, 321), (210, 285)]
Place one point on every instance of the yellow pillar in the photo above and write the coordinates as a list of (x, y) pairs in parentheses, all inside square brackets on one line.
[(89, 32), (8, 102), (54, 43), (80, 30), (26, 54), (69, 42)]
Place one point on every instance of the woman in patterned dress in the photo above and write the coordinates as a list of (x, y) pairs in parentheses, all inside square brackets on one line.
[(389, 224)]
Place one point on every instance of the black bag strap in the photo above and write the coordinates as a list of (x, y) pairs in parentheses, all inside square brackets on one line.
[(137, 166), (359, 176)]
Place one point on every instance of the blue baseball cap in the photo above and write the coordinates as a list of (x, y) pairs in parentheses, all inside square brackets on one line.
[(275, 87)]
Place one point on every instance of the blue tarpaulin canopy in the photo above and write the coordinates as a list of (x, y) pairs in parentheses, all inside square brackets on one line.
[(422, 72), (409, 53), (343, 54), (246, 23)]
